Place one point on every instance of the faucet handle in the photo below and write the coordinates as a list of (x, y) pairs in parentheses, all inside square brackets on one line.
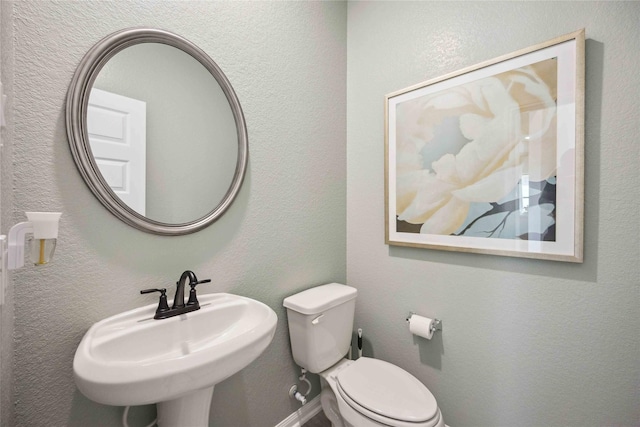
[(148, 291), (162, 304), (193, 299)]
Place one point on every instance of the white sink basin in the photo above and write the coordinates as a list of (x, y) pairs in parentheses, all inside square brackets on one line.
[(132, 359)]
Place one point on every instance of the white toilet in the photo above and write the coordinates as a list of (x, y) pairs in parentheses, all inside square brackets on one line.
[(361, 393)]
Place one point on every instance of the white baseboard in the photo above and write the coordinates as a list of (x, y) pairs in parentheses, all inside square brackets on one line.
[(302, 415)]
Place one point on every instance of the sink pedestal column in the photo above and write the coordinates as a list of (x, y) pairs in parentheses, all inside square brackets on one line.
[(189, 410)]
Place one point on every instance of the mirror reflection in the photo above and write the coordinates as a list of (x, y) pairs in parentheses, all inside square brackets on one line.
[(162, 133)]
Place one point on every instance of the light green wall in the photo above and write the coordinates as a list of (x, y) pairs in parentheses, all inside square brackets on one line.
[(525, 342), (284, 232)]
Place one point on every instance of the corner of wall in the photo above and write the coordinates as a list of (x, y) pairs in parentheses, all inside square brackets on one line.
[(6, 199)]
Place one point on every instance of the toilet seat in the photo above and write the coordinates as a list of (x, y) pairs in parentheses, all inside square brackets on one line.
[(387, 394)]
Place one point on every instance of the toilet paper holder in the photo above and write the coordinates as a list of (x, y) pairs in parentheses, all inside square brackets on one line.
[(436, 326)]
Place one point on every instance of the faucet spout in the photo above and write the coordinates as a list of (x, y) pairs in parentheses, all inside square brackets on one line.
[(178, 300)]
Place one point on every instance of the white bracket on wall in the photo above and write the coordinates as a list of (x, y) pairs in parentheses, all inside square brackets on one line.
[(17, 236)]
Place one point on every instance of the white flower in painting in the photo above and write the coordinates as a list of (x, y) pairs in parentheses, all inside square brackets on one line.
[(473, 143)]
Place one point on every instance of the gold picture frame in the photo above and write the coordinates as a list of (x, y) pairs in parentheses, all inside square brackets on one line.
[(490, 159)]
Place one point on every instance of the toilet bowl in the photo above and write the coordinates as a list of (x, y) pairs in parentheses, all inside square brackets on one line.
[(355, 393), (374, 393)]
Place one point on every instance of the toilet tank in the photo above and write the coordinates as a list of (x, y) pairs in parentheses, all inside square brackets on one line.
[(320, 324)]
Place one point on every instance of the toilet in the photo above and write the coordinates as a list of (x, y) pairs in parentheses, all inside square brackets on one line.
[(355, 393)]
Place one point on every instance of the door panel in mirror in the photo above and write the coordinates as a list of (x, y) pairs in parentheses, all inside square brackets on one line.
[(117, 134)]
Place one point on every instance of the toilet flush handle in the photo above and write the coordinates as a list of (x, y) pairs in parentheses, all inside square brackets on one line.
[(317, 319)]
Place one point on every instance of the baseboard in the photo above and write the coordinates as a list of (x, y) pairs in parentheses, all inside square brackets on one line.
[(302, 415)]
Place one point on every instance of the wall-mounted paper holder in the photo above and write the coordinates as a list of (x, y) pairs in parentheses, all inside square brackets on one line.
[(436, 326)]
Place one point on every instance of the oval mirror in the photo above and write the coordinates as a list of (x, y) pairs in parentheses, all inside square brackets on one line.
[(156, 131)]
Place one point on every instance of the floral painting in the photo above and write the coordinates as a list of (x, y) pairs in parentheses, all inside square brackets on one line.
[(478, 160)]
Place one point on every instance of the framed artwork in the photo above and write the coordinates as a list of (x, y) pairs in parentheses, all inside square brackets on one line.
[(490, 159)]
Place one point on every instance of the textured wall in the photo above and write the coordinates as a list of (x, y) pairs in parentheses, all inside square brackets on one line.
[(525, 342), (285, 232), (6, 200)]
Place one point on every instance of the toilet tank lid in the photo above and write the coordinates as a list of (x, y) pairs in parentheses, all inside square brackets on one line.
[(320, 298)]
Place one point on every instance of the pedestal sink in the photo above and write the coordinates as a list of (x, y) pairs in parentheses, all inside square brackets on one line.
[(132, 359)]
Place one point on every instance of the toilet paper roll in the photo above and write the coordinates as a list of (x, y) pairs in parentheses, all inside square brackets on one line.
[(421, 326)]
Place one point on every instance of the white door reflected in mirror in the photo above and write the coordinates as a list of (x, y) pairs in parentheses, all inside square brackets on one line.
[(117, 133)]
